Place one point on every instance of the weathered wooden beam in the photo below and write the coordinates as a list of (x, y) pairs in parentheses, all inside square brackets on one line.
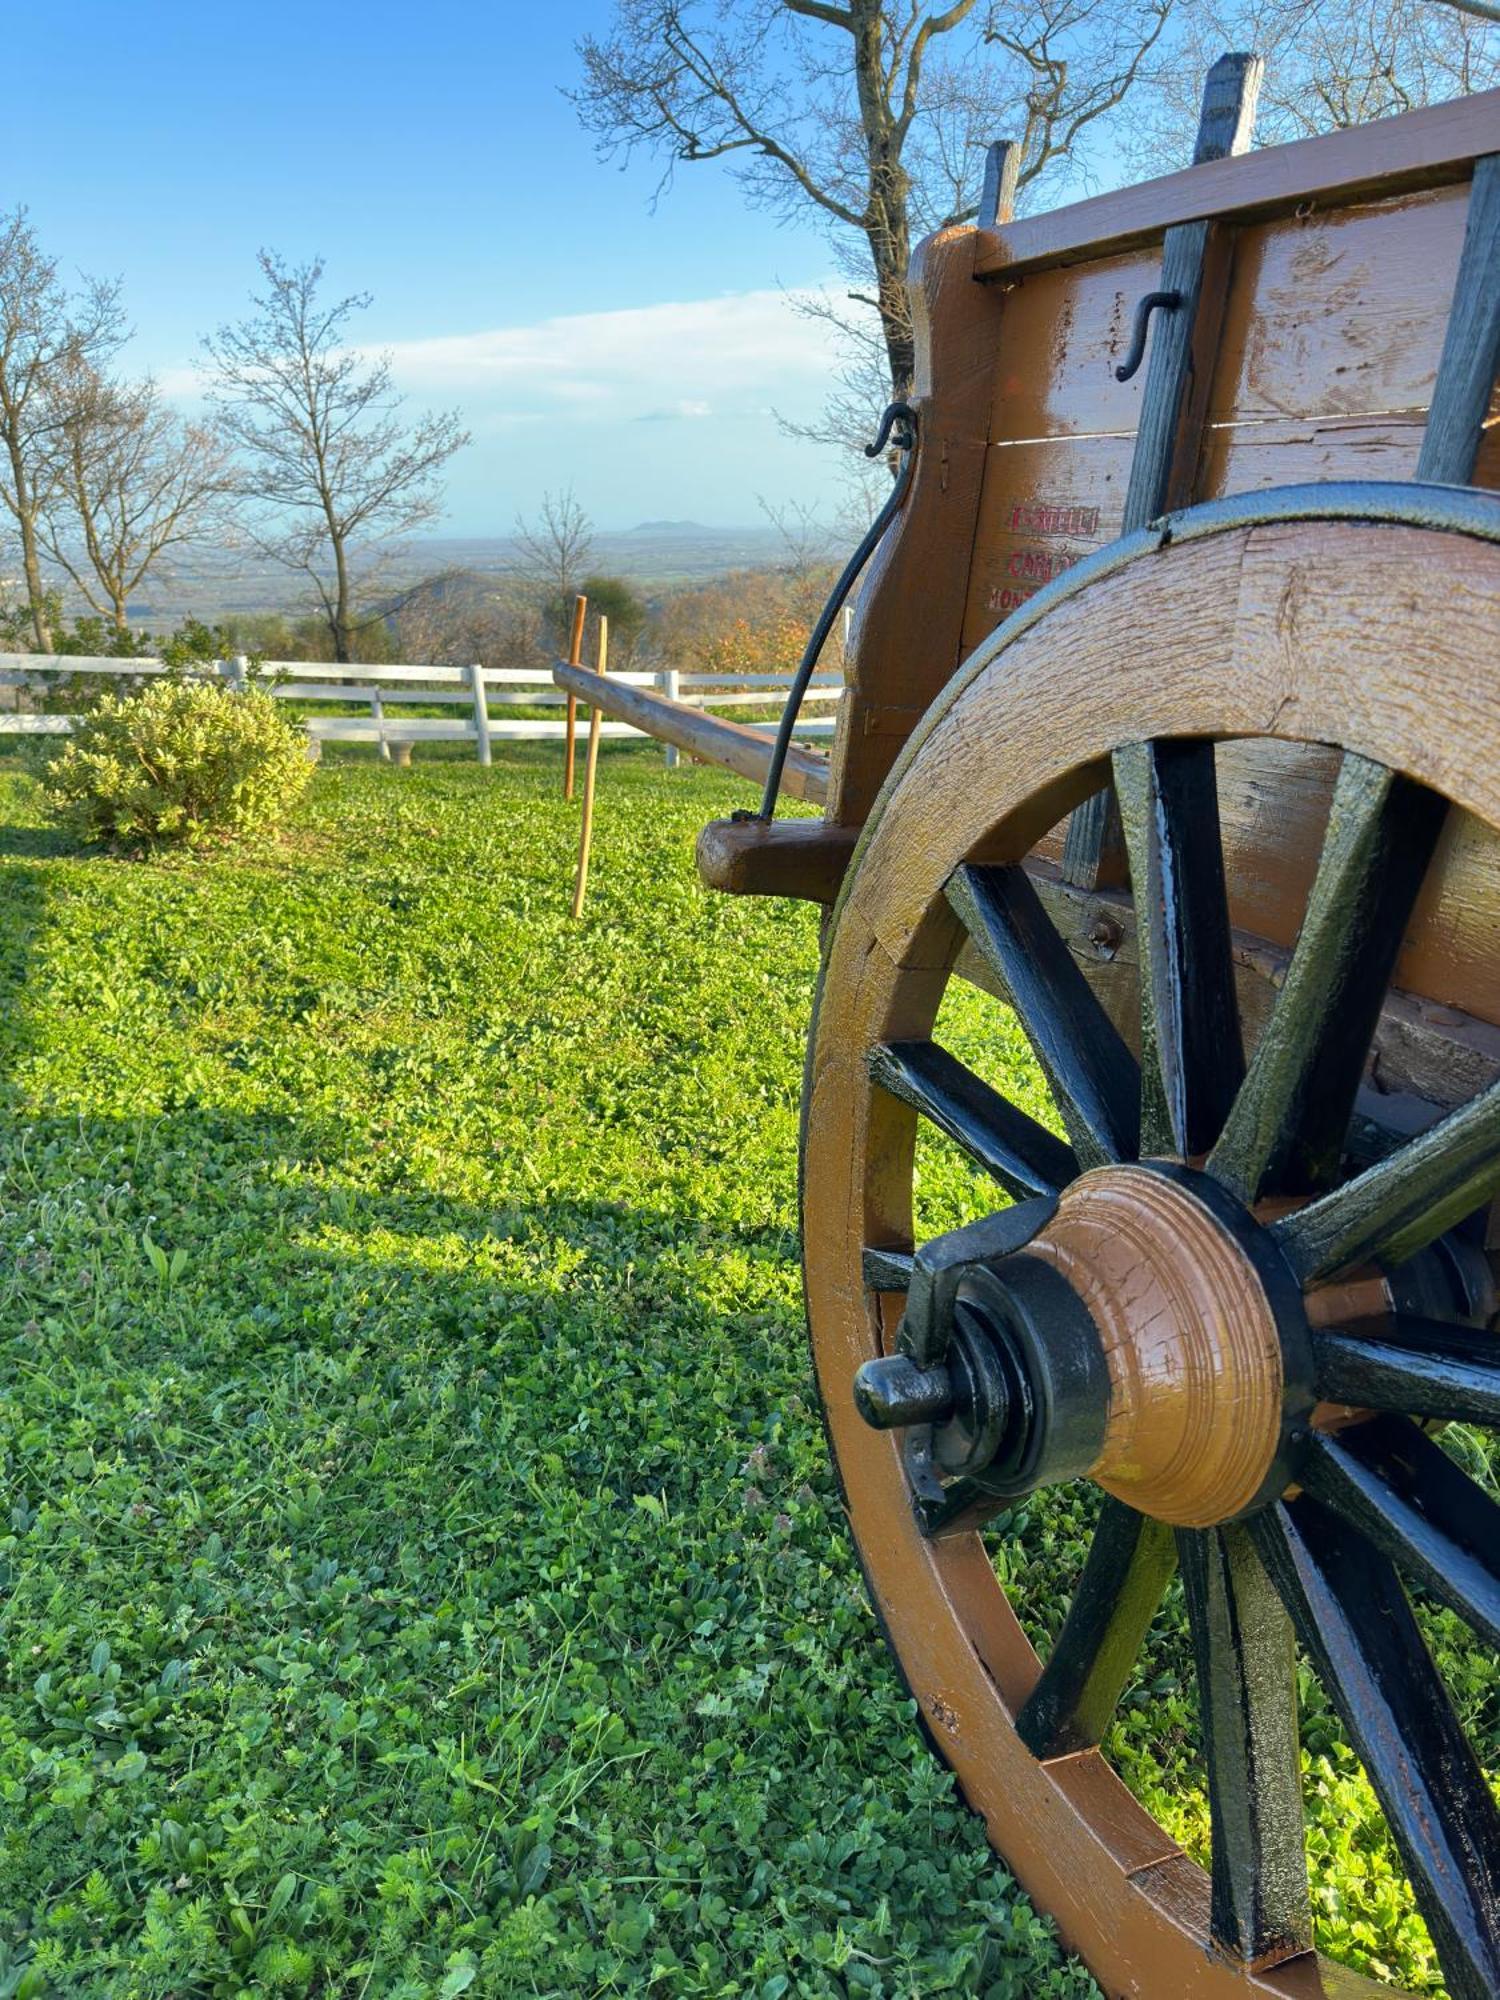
[(1195, 273), (1471, 346), (1226, 121), (1432, 147), (1002, 170), (801, 858), (744, 751), (908, 630)]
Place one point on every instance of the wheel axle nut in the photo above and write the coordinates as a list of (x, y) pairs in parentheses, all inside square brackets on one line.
[(894, 1391)]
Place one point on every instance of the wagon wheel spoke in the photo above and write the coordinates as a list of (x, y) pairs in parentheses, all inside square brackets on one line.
[(1023, 1156), (1353, 1618), (1398, 1206), (1130, 1562), (1247, 1691), (1094, 1078), (1389, 1479), (1287, 1126), (1420, 1367), (1192, 1061)]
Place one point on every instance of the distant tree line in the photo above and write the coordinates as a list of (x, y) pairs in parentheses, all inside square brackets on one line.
[(747, 619), (306, 457)]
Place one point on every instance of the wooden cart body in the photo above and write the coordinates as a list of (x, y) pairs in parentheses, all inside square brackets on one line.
[(1330, 298), (1332, 279), (1328, 277)]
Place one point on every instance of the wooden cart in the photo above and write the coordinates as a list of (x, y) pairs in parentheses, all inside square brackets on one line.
[(1173, 717)]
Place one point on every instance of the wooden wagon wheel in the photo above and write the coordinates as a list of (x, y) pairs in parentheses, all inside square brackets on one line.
[(1181, 1293)]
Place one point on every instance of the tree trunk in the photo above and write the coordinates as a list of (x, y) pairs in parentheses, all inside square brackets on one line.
[(36, 590), (342, 649), (895, 325), (887, 217), (31, 565)]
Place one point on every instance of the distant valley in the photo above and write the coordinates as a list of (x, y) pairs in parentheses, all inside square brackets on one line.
[(654, 556)]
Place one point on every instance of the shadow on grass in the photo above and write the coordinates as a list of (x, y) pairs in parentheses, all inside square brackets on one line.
[(37, 843)]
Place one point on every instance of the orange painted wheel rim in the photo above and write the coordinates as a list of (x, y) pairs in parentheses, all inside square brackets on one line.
[(1257, 632)]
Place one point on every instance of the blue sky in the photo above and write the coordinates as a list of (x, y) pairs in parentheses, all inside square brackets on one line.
[(427, 153)]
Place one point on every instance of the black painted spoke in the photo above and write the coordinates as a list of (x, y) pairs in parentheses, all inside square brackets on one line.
[(1130, 1563), (1287, 1128), (1402, 1203), (1404, 1492), (1353, 1618), (1094, 1078), (887, 1270), (1247, 1691), (1192, 1059), (1422, 1367), (1023, 1156)]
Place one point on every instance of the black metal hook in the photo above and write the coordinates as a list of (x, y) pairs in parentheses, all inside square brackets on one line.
[(1167, 302), (894, 413)]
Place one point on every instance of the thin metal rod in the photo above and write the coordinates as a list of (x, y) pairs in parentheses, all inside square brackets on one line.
[(1152, 302), (900, 415)]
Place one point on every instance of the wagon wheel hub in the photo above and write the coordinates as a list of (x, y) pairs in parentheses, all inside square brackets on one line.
[(1142, 1330)]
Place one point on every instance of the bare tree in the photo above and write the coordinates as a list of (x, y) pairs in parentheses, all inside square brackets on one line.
[(45, 333), (129, 482), (331, 468), (1329, 63), (552, 555), (872, 113)]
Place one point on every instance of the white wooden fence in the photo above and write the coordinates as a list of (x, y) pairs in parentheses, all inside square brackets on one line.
[(477, 689)]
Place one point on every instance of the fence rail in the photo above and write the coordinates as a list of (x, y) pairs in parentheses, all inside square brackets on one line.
[(476, 688)]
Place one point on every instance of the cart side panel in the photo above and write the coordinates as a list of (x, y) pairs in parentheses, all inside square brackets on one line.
[(1333, 318), (1332, 329)]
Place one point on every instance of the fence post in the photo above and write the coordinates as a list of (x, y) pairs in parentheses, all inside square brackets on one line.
[(377, 711), (481, 712), (670, 682), (239, 668), (590, 769)]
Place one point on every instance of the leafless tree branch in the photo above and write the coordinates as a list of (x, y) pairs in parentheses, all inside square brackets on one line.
[(330, 465)]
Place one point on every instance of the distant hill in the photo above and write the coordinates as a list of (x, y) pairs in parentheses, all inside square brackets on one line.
[(653, 555)]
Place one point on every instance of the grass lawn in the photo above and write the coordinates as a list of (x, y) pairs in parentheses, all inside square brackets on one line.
[(423, 1569)]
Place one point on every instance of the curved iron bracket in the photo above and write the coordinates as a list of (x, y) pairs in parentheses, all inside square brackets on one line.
[(1152, 302), (895, 414), (900, 421)]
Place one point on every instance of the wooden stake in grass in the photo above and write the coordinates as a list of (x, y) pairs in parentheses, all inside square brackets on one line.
[(590, 767), (575, 657)]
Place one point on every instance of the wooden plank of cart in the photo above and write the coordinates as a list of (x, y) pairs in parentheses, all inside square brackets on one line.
[(1173, 718)]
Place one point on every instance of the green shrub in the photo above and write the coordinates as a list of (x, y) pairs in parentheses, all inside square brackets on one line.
[(182, 760)]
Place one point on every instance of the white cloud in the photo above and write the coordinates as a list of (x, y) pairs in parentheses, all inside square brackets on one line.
[(686, 359), (646, 411), (683, 360)]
